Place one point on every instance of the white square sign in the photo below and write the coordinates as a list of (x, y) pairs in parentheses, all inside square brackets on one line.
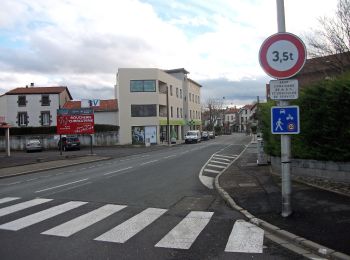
[(284, 89)]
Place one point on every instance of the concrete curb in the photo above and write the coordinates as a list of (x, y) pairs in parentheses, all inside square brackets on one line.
[(53, 167), (288, 239)]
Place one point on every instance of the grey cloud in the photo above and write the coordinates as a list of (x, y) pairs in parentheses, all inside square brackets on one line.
[(235, 92), (97, 54)]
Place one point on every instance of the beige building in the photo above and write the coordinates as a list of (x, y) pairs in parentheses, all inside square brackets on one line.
[(154, 104)]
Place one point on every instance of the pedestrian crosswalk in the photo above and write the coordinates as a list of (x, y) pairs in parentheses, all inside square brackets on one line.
[(244, 238)]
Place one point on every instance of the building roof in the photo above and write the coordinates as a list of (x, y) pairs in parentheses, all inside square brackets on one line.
[(177, 71), (232, 110), (38, 90), (194, 82), (105, 105)]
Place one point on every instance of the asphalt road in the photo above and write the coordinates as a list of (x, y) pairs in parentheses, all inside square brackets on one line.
[(142, 206)]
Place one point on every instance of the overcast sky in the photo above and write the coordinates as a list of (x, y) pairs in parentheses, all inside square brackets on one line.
[(82, 43)]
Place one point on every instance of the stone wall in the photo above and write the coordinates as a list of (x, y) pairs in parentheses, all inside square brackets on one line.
[(336, 171), (51, 141)]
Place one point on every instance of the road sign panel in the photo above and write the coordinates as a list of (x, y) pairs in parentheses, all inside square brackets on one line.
[(285, 120), (282, 55), (284, 89)]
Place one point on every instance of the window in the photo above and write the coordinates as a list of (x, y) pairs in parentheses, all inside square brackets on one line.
[(192, 97), (171, 112), (180, 93), (177, 112), (171, 90), (181, 112), (143, 110), (190, 114), (22, 101), (189, 97), (177, 92), (22, 119), (45, 100), (45, 118), (142, 86)]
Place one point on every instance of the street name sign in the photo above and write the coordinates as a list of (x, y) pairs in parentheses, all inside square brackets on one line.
[(285, 120), (284, 89), (282, 55)]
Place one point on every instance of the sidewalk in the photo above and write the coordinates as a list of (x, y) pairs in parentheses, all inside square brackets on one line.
[(48, 165), (318, 215)]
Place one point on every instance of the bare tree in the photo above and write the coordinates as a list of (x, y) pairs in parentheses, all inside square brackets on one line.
[(332, 38), (213, 108)]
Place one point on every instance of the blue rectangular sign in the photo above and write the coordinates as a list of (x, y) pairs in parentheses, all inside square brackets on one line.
[(285, 120)]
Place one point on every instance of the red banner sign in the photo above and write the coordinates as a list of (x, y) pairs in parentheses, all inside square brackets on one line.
[(73, 122)]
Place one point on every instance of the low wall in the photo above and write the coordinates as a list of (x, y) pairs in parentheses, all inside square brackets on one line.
[(335, 171), (51, 141)]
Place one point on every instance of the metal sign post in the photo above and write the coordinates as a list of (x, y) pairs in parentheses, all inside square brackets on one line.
[(285, 139), (282, 56)]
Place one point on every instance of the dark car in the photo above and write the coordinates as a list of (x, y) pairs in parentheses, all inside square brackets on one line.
[(69, 143), (205, 135)]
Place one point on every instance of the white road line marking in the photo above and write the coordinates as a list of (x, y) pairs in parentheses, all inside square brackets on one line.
[(12, 183), (224, 163), (245, 238), (185, 233), (127, 168), (23, 205), (62, 185), (41, 216), (209, 170), (8, 199), (75, 225), (217, 166), (170, 156), (32, 179), (131, 227), (149, 162), (208, 181)]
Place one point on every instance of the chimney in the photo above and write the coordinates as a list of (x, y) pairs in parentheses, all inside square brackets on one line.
[(31, 85)]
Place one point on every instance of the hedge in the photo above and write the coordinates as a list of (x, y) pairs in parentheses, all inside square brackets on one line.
[(324, 122)]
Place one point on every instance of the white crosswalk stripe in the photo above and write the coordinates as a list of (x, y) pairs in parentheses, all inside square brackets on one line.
[(21, 206), (221, 159), (71, 227), (8, 199), (131, 227), (40, 216), (224, 163), (212, 171), (226, 156), (217, 166), (185, 233), (245, 238)]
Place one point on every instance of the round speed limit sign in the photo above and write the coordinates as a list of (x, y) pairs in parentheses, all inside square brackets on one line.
[(282, 55)]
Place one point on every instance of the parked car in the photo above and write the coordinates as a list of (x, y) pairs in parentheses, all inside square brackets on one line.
[(205, 135), (69, 143), (193, 136), (211, 135), (33, 145)]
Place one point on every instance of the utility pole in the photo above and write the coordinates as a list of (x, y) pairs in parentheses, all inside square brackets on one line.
[(167, 114), (285, 139)]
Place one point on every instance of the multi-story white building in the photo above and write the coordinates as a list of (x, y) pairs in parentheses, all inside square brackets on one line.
[(33, 106), (153, 104), (246, 117)]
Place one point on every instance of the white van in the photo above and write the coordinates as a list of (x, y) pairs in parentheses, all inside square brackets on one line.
[(193, 136)]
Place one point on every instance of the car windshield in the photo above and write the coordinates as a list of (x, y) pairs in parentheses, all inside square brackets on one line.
[(34, 142), (191, 133)]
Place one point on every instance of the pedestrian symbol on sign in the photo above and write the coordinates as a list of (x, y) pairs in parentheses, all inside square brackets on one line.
[(279, 125)]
